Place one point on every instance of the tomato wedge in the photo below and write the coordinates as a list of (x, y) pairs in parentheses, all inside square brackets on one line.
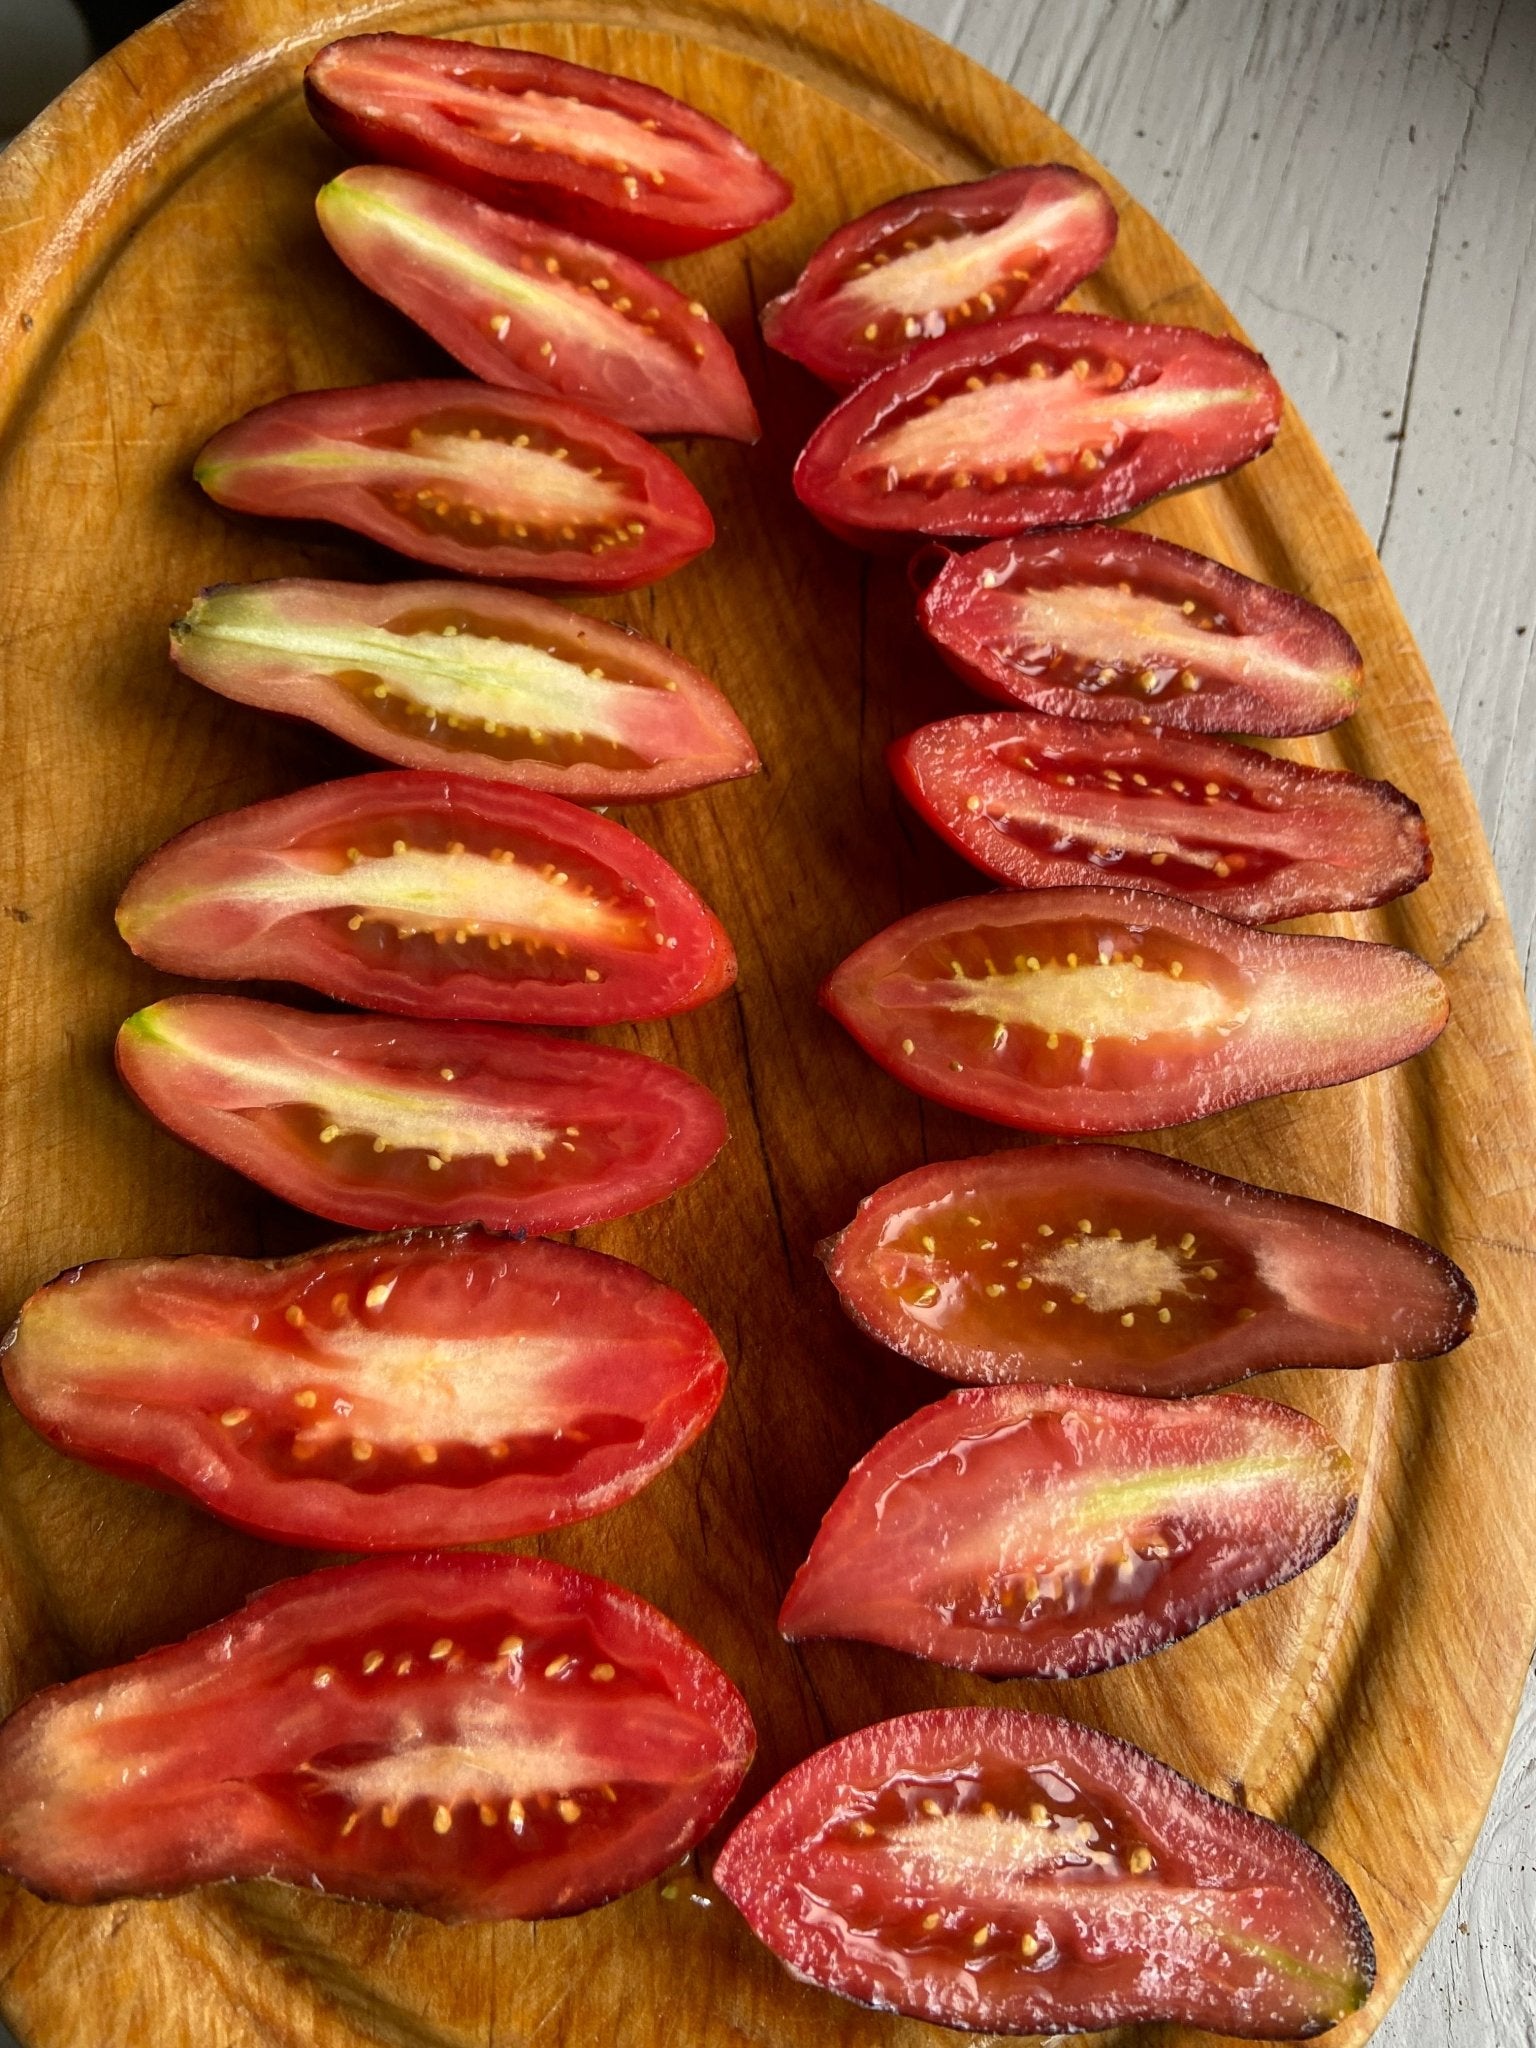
[(954, 256), (435, 1387), (475, 479), (524, 304), (384, 1122), (1091, 1011), (492, 682), (1050, 420), (432, 896), (480, 1738), (1110, 1267), (1017, 1874), (604, 155), (1108, 624), (1041, 802)]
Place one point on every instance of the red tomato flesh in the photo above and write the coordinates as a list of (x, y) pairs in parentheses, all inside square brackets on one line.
[(526, 305), (1113, 625), (954, 256), (479, 480), (476, 1737), (436, 1387), (1051, 420), (1092, 1011), (1041, 803), (383, 1122), (432, 896), (604, 155), (1018, 1874), (1110, 1267), (465, 676)]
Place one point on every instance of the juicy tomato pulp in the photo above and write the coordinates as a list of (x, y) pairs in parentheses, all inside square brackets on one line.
[(929, 262), (1050, 420), (1093, 1011), (1113, 625), (1019, 1874), (1111, 1267), (438, 1387), (507, 687), (526, 305), (381, 1122), (1041, 802), (479, 1738), (432, 896), (479, 480), (1046, 1532), (604, 155)]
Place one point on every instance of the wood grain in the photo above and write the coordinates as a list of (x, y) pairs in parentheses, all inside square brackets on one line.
[(164, 274)]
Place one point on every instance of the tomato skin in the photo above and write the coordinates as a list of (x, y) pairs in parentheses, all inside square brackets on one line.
[(1292, 1283), (1228, 1921), (388, 98), (273, 1743)]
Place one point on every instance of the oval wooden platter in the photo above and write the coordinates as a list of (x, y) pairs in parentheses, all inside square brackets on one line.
[(162, 274)]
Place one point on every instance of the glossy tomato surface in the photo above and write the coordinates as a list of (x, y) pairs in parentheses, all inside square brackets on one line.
[(432, 896), (387, 1122), (435, 1387), (1111, 1267), (607, 156), (466, 676), (1082, 1012), (1016, 1874), (476, 1737), (1055, 419), (527, 305), (470, 477), (1040, 803), (932, 262), (1107, 624)]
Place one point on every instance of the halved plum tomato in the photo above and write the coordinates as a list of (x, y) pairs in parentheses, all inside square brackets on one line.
[(1040, 802), (1106, 1266), (951, 256), (529, 306), (1018, 1874), (493, 682), (1050, 420), (473, 478), (386, 1122), (432, 896), (475, 1737), (1045, 1532), (607, 156), (1083, 1012), (435, 1387), (1114, 625)]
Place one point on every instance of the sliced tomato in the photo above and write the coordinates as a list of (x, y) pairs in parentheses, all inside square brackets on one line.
[(607, 156), (493, 682), (1091, 1011), (1042, 802), (1017, 1874), (435, 1387), (1050, 420), (527, 305), (1108, 624), (383, 1122), (931, 262), (479, 480), (479, 1737), (432, 896), (1110, 1267)]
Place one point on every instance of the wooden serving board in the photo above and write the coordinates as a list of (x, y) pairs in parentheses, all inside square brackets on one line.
[(160, 273)]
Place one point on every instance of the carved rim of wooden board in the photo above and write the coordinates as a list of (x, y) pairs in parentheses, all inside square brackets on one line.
[(1391, 1754)]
